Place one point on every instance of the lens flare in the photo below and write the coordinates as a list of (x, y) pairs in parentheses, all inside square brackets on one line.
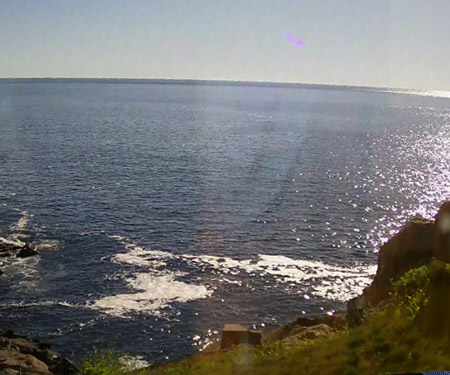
[(294, 41)]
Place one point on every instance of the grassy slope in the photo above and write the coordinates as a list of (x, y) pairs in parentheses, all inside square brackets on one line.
[(409, 335)]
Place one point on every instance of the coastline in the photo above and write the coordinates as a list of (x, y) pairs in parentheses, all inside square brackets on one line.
[(418, 244)]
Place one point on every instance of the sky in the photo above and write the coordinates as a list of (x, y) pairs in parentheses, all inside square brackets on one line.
[(381, 43)]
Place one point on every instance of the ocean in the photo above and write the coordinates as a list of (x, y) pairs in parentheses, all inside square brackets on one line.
[(164, 211)]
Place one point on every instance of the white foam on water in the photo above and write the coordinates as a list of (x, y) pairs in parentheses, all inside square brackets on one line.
[(10, 241), (156, 289), (154, 293), (138, 255), (36, 304), (327, 281), (48, 244), (22, 223)]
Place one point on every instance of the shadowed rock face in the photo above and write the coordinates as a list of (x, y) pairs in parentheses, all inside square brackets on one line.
[(414, 246), (19, 354), (442, 236)]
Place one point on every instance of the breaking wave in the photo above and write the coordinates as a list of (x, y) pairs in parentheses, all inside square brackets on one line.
[(159, 284)]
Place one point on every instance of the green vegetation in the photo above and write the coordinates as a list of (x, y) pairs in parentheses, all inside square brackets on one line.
[(411, 333), (98, 363)]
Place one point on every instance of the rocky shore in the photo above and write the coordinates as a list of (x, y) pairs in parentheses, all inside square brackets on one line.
[(416, 245), (16, 249), (22, 355)]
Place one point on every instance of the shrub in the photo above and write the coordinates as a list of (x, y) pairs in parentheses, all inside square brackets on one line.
[(96, 363)]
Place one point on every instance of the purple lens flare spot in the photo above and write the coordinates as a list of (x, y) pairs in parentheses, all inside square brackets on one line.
[(294, 41)]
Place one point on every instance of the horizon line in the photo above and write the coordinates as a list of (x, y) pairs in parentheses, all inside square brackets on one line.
[(229, 82), (205, 81)]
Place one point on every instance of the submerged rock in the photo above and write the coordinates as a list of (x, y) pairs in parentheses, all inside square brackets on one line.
[(16, 249)]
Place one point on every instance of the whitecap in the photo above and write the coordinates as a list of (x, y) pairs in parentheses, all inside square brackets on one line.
[(22, 304), (155, 292), (156, 289), (48, 244), (22, 223)]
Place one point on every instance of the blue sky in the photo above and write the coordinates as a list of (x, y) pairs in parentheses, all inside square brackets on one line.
[(391, 43)]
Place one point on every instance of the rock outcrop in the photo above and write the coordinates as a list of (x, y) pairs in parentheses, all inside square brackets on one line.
[(16, 249), (21, 355), (442, 233), (416, 243), (301, 333), (305, 328)]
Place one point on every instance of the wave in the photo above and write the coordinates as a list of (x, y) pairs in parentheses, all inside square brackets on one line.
[(155, 294), (20, 305), (22, 223), (159, 286)]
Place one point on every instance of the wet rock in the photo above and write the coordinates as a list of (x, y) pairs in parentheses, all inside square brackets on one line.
[(10, 248), (27, 251)]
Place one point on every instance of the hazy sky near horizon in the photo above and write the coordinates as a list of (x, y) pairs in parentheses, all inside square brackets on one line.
[(390, 43)]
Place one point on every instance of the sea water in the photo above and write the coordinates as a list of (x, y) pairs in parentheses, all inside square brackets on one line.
[(164, 211)]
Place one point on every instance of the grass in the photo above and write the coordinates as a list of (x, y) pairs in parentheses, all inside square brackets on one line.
[(410, 334)]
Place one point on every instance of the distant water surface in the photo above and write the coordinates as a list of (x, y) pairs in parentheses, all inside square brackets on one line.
[(165, 211)]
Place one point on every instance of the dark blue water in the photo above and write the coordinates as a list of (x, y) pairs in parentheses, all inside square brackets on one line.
[(165, 211)]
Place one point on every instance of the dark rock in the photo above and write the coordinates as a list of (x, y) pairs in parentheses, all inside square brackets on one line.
[(442, 233), (414, 246), (63, 366), (333, 321), (8, 249), (9, 334), (26, 251)]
